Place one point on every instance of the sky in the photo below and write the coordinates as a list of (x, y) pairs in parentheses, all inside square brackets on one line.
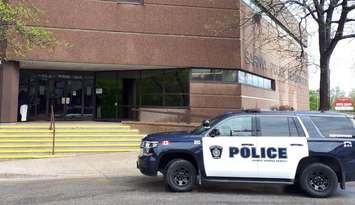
[(342, 64)]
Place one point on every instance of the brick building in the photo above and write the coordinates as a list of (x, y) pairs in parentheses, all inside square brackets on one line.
[(157, 60)]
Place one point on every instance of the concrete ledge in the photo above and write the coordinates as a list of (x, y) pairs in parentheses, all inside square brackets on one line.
[(153, 127)]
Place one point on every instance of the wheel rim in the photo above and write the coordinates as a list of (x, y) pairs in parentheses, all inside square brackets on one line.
[(181, 177), (319, 181)]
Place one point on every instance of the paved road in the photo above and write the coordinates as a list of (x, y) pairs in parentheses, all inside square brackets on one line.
[(113, 179)]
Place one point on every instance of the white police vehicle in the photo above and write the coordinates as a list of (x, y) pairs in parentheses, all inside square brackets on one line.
[(313, 150)]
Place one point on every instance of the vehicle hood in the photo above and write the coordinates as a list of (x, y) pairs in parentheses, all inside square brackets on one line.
[(170, 136)]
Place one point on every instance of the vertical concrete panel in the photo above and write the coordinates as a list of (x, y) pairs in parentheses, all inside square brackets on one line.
[(9, 89)]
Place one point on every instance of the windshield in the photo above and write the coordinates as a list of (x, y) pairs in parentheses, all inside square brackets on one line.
[(200, 129)]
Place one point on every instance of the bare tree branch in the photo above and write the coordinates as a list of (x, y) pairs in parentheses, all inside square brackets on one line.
[(340, 29), (348, 36), (346, 21)]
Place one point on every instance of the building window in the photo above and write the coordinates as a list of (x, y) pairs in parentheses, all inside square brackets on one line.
[(217, 75), (232, 76), (255, 80), (165, 88), (130, 1)]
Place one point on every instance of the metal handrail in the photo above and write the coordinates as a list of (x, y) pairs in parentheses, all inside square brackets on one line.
[(52, 128)]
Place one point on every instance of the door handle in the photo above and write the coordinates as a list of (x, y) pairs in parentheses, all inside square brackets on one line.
[(298, 145), (247, 144)]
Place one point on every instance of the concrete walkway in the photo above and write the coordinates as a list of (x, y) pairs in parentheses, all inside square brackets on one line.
[(82, 166)]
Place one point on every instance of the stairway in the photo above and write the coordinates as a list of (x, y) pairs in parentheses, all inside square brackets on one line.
[(21, 141)]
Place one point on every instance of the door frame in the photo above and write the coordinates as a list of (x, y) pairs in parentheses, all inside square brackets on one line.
[(291, 142), (206, 135)]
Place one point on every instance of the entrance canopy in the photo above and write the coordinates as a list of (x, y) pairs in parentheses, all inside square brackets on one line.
[(42, 65)]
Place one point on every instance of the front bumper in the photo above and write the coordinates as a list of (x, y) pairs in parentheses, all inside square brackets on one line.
[(147, 165)]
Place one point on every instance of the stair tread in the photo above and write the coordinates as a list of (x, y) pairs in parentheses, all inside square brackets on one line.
[(75, 140), (68, 131), (35, 141), (64, 126), (70, 145), (83, 135)]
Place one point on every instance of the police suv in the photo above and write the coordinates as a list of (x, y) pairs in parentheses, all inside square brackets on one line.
[(315, 150)]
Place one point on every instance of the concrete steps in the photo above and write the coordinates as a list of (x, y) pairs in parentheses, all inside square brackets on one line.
[(22, 141)]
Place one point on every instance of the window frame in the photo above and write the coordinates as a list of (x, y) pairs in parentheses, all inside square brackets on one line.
[(250, 79)]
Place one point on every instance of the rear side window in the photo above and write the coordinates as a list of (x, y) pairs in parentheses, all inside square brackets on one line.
[(277, 126), (334, 126)]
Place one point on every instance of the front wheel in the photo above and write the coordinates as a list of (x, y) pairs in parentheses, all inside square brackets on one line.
[(318, 180), (180, 176)]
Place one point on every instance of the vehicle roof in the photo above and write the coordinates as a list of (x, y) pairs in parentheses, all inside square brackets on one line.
[(296, 113)]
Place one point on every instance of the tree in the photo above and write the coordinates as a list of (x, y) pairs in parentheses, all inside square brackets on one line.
[(16, 33), (334, 25)]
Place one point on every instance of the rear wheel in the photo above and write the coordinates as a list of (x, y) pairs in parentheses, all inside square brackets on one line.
[(318, 180), (180, 175)]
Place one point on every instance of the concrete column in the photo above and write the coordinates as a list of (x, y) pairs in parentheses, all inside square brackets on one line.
[(9, 90)]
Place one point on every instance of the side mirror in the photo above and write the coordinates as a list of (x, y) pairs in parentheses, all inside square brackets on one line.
[(206, 124), (214, 133)]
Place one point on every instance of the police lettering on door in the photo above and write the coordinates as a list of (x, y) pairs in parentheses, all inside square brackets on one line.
[(267, 154)]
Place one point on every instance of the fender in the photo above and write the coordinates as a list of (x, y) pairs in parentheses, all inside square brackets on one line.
[(327, 159), (177, 153)]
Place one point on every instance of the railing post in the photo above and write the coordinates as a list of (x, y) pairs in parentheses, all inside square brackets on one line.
[(52, 127)]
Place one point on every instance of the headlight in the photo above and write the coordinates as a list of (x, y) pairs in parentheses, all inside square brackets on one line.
[(147, 147), (149, 144)]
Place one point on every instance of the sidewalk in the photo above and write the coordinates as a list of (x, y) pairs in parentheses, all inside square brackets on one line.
[(81, 166)]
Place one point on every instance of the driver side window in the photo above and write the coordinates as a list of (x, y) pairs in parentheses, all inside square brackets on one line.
[(236, 126)]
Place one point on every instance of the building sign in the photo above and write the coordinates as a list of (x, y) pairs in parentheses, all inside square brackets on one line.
[(258, 62), (344, 104)]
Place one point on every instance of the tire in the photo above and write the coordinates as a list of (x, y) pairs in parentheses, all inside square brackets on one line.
[(318, 180), (180, 176)]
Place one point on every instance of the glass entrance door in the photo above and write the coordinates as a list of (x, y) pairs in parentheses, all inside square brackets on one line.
[(116, 95), (74, 99), (57, 97), (70, 93), (107, 90)]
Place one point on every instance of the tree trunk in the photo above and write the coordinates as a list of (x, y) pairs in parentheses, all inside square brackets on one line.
[(324, 88)]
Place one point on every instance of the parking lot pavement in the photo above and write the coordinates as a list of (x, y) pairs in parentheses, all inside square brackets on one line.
[(113, 179)]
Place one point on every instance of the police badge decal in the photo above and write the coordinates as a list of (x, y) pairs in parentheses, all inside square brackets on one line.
[(216, 151)]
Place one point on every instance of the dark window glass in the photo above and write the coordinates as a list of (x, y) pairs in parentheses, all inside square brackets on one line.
[(277, 126), (165, 88), (236, 126), (334, 126), (152, 100), (176, 81), (313, 132)]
